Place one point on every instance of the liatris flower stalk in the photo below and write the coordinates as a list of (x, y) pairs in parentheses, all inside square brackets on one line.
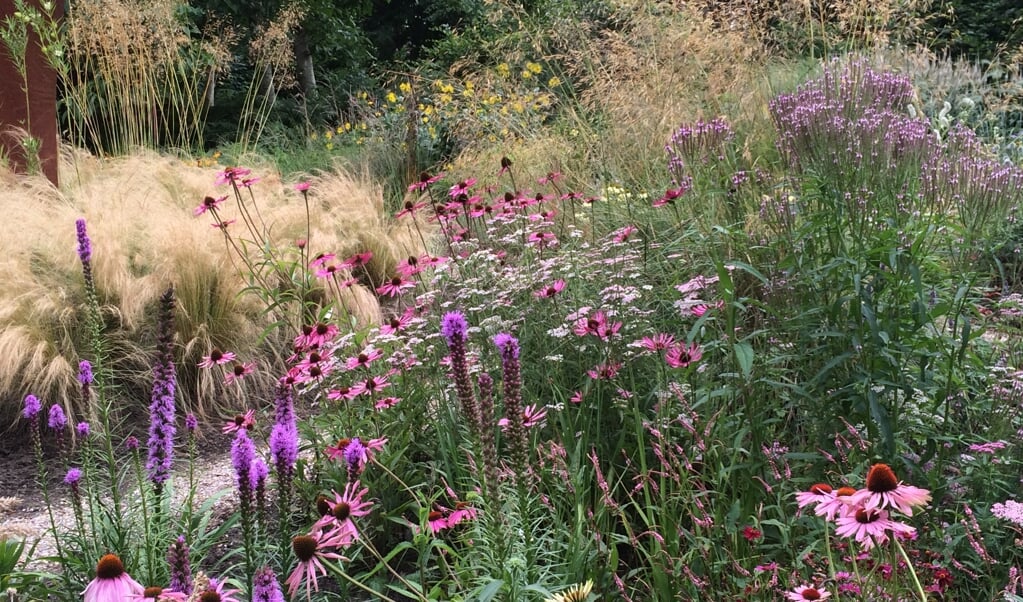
[(161, 409), (73, 481), (455, 329), (488, 445), (265, 587), (180, 566), (284, 453), (243, 454), (509, 348)]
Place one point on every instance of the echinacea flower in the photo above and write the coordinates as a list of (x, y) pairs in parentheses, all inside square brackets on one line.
[(357, 260), (837, 503), (681, 355), (209, 203), (364, 359), (239, 371), (231, 174), (158, 594), (395, 287), (531, 416), (217, 591), (869, 526), (217, 358), (577, 593), (315, 336), (819, 492), (311, 550), (302, 186), (461, 187), (805, 592), (241, 421), (425, 180), (550, 290), (883, 489), (112, 583), (657, 342), (410, 208), (342, 510)]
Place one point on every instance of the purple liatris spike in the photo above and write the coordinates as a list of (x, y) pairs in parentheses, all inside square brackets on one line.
[(243, 453), (84, 245), (57, 420), (284, 435), (191, 422), (32, 407), (453, 325), (83, 429), (511, 370), (454, 328), (85, 372), (265, 587), (131, 443), (161, 407), (260, 471), (180, 566), (74, 475)]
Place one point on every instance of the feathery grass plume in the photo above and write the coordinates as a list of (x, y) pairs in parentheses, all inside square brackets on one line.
[(162, 416)]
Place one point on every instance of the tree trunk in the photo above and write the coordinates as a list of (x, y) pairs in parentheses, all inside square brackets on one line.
[(304, 62)]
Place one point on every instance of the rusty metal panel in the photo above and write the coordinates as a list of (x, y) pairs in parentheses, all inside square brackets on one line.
[(42, 99)]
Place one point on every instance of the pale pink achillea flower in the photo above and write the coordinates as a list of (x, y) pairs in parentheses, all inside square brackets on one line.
[(695, 284), (311, 550), (112, 583), (884, 490), (217, 358), (869, 526), (1010, 510), (806, 592)]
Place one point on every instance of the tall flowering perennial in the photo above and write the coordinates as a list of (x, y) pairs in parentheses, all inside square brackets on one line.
[(511, 374), (488, 444), (284, 450), (111, 582), (694, 145), (455, 329), (161, 408), (243, 455), (178, 559), (265, 587)]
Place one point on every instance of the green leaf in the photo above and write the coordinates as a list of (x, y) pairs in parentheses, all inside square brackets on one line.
[(744, 356)]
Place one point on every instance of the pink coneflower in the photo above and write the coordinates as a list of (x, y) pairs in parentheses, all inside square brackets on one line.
[(409, 267), (445, 518), (354, 451), (315, 336), (217, 591), (550, 290), (695, 284), (311, 550), (461, 188), (658, 342), (341, 393), (605, 371), (370, 385), (222, 225), (208, 204), (670, 196), (596, 324), (217, 358), (869, 526), (231, 174), (239, 371), (386, 402), (341, 511), (838, 503), (425, 180), (805, 592), (819, 492), (301, 186), (884, 489), (240, 421), (410, 208), (248, 182), (531, 416), (364, 359), (577, 397), (397, 324), (543, 240), (357, 260), (158, 594), (112, 583), (395, 287), (321, 259), (329, 271), (623, 234), (682, 355)]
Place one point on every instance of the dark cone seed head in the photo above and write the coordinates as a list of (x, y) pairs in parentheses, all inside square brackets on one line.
[(821, 488), (209, 596), (304, 547), (322, 506), (152, 592), (845, 491), (109, 567), (881, 479), (342, 511)]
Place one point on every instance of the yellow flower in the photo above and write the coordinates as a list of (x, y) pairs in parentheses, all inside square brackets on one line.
[(533, 67), (503, 70), (576, 593), (405, 87), (348, 126), (444, 98), (330, 146), (328, 134), (314, 136), (526, 74), (340, 130), (391, 97), (554, 82)]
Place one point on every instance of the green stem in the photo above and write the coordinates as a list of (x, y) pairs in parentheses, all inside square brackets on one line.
[(912, 572)]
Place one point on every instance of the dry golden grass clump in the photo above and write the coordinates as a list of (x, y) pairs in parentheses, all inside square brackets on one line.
[(139, 212)]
